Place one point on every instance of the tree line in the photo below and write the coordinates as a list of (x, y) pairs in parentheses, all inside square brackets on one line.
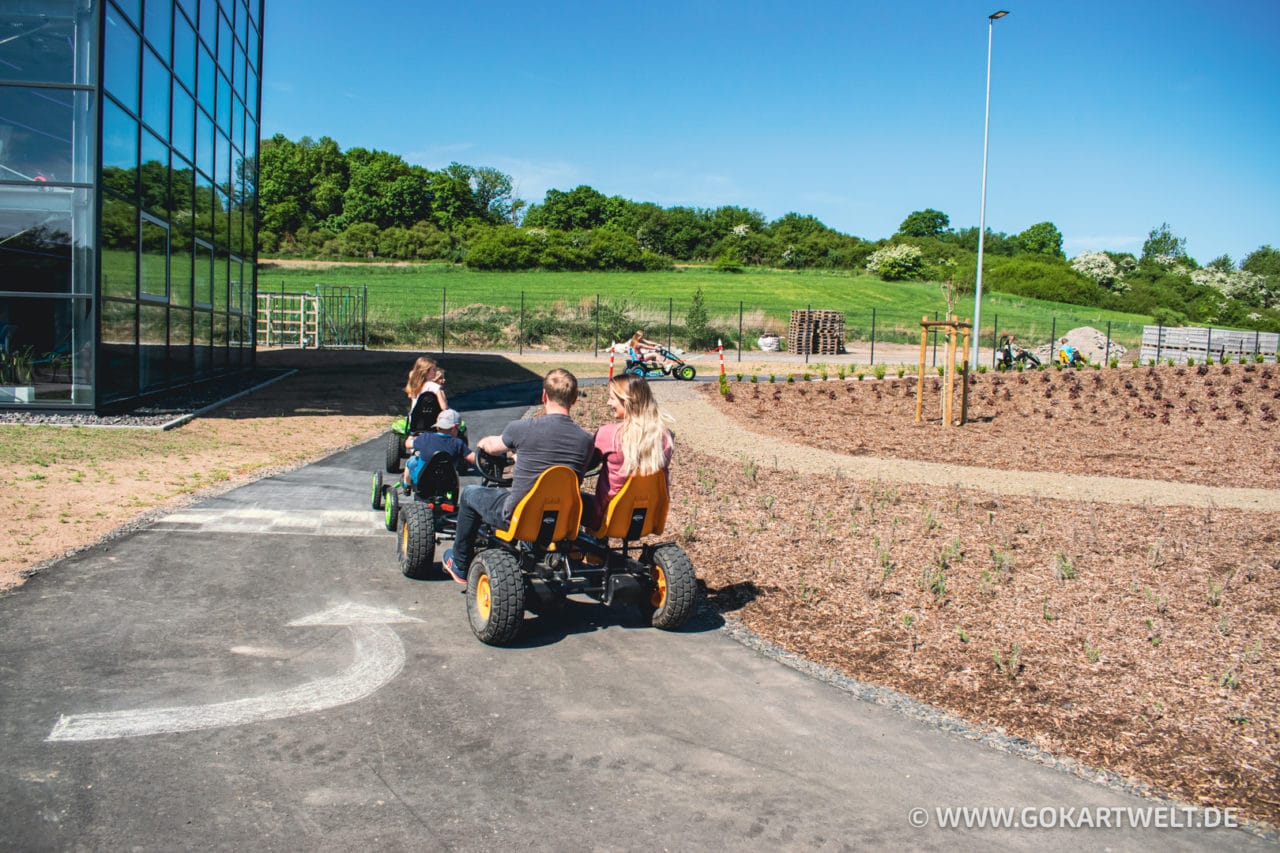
[(317, 200)]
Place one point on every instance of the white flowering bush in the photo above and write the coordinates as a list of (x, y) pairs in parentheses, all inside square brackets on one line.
[(742, 229), (896, 262), (1237, 284), (1099, 267)]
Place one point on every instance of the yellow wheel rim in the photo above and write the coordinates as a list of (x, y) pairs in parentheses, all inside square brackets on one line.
[(484, 599), (404, 539), (659, 596)]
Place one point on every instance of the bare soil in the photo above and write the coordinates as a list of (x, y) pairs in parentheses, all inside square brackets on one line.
[(1120, 606)]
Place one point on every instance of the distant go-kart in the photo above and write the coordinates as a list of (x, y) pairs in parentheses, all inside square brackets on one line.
[(1009, 355), (543, 556), (671, 365)]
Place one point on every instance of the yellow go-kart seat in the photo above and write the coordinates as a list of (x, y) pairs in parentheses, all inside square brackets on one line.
[(637, 510), (550, 512)]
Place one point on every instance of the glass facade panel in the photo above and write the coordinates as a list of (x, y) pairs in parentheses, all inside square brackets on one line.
[(180, 343), (184, 122), (203, 274), (119, 248), (49, 344), (44, 240), (121, 60), (201, 341), (205, 79), (132, 8), (153, 260), (224, 104), (204, 143), (158, 25), (118, 351), (47, 42), (155, 93), (209, 21), (36, 135), (119, 150), (180, 269), (225, 44), (153, 347), (153, 175), (184, 50), (221, 275)]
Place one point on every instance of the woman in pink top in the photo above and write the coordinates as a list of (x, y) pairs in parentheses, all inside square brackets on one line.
[(635, 443)]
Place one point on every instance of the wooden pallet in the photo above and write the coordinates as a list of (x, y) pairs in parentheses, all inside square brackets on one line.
[(816, 332)]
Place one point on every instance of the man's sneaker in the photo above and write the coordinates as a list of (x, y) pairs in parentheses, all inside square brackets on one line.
[(450, 566)]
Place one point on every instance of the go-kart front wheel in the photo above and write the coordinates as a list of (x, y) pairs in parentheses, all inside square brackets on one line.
[(376, 498), (417, 549), (495, 597), (394, 443), (391, 507), (685, 372), (675, 588)]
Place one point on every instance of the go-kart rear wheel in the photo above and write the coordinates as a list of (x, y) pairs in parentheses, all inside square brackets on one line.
[(636, 369), (390, 507), (394, 443), (495, 597), (376, 498), (417, 550), (675, 587), (685, 372)]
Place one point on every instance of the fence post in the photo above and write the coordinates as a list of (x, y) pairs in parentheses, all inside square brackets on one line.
[(1053, 338), (670, 314), (1159, 341), (995, 339), (873, 336), (364, 319), (596, 343), (1208, 347), (1106, 359), (521, 334), (1257, 338), (444, 306), (739, 330), (934, 359)]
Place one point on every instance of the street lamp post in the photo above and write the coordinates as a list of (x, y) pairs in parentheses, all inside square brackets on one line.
[(982, 207)]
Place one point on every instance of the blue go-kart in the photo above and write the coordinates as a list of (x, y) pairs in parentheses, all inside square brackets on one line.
[(671, 365)]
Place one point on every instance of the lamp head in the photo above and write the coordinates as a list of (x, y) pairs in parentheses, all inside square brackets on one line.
[(996, 15)]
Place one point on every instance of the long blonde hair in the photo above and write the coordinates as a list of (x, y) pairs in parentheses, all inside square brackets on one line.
[(642, 437), (421, 371)]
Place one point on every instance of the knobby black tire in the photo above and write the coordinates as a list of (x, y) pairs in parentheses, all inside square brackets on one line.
[(394, 443), (391, 507), (501, 570), (682, 588), (417, 550), (376, 498), (686, 372)]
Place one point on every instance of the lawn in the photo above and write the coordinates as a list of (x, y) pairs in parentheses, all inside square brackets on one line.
[(761, 299)]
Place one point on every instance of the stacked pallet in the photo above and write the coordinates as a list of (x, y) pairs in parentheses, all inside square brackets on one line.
[(816, 333)]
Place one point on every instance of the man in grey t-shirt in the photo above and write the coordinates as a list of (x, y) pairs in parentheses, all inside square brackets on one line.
[(539, 443)]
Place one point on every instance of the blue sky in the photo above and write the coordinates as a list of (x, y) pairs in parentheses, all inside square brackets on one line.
[(1107, 119)]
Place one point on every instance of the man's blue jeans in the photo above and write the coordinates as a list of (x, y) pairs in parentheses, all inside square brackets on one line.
[(476, 505)]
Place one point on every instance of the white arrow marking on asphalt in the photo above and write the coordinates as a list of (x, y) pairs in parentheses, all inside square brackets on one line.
[(379, 657)]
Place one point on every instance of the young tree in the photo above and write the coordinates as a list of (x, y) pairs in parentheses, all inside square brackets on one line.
[(1161, 243)]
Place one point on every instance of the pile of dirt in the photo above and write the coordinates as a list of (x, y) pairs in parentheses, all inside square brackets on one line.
[(1091, 343)]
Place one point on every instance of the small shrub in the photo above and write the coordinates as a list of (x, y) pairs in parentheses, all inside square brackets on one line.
[(1063, 568), (879, 371), (1114, 362), (902, 371), (753, 379)]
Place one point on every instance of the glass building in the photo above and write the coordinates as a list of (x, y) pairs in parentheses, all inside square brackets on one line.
[(128, 171)]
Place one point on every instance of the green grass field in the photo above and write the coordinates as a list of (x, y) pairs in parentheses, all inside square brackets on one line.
[(412, 295)]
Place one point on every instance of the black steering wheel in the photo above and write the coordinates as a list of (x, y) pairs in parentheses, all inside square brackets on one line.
[(492, 467)]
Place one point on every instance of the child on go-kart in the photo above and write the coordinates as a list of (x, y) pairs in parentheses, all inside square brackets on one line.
[(444, 437), (642, 350)]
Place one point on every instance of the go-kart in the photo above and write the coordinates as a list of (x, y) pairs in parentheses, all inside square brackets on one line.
[(1069, 356), (1009, 355), (543, 556), (429, 512), (671, 365), (422, 416)]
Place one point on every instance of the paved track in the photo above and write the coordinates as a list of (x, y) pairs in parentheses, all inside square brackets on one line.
[(307, 696)]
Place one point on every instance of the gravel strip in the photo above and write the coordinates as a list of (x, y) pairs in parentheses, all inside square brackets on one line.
[(162, 413)]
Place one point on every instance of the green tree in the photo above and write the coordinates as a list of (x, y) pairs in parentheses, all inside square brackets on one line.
[(1263, 261), (924, 223), (1043, 238), (1161, 243)]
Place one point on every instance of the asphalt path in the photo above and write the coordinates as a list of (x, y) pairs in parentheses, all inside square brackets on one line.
[(255, 673)]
